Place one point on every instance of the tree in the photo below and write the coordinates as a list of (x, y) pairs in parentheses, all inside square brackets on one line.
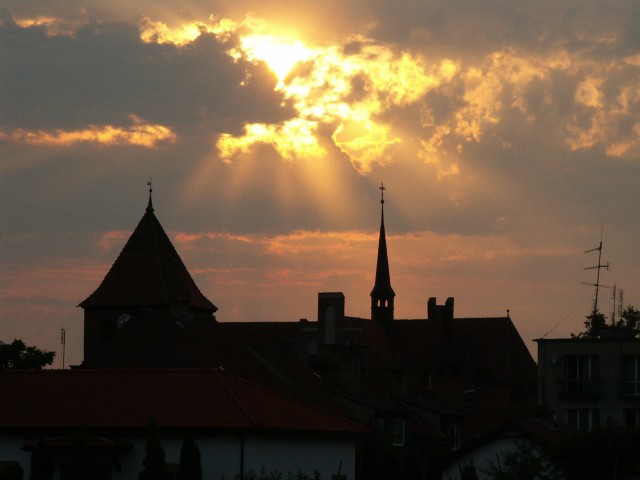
[(468, 471), (190, 466), (630, 318), (526, 462), (154, 463), (599, 455), (17, 355), (594, 323)]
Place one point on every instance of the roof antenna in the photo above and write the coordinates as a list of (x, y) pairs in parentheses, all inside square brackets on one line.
[(599, 266), (150, 205)]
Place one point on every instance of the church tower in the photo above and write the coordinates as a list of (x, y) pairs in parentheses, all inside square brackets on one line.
[(147, 289), (382, 294)]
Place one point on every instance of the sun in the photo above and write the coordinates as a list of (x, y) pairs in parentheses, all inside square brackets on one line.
[(280, 53)]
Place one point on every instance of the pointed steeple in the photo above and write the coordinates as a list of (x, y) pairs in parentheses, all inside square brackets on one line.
[(382, 294), (149, 273)]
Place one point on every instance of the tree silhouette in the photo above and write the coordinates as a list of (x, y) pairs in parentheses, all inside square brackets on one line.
[(190, 466), (594, 323), (154, 463), (17, 355)]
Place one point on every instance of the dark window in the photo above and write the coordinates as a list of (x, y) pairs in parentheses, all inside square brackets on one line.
[(580, 372), (585, 419), (97, 471), (631, 375), (172, 471), (632, 418), (392, 430)]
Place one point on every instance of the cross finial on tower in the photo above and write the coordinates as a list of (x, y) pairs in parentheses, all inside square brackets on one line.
[(150, 205), (382, 189)]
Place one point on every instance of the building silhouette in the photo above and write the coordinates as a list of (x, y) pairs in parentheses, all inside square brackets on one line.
[(426, 386)]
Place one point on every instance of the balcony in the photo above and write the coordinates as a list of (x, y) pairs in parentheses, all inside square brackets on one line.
[(580, 389)]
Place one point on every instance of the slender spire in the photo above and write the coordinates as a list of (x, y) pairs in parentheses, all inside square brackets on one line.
[(382, 294), (150, 205)]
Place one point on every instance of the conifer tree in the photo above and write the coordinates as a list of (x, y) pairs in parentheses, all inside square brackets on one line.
[(154, 459)]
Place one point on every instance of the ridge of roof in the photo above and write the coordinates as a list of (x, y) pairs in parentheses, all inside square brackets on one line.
[(148, 272)]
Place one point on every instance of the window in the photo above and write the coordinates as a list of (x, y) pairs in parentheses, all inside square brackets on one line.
[(96, 471), (392, 430), (581, 372), (585, 419), (632, 418), (171, 471), (455, 435), (631, 375)]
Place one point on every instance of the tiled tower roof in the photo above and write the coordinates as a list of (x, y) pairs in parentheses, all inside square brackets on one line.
[(148, 272)]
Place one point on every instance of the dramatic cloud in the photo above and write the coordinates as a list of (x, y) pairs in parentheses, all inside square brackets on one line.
[(507, 135)]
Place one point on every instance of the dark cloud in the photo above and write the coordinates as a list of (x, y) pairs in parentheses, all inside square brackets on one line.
[(105, 73)]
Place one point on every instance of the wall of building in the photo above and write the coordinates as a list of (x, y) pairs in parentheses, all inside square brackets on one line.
[(10, 451), (606, 392), (221, 456)]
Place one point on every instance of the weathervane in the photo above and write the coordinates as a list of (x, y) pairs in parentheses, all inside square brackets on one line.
[(382, 189)]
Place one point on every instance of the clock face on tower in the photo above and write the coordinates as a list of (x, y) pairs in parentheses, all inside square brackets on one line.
[(123, 319)]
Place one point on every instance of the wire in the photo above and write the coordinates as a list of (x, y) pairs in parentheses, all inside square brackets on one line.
[(567, 315)]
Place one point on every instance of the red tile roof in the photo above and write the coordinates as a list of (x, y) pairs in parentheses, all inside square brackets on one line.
[(148, 272), (192, 398)]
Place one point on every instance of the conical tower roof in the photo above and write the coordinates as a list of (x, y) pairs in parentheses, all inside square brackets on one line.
[(382, 287), (148, 272)]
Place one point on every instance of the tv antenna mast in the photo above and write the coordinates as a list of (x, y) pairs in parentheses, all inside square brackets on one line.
[(599, 267), (63, 341)]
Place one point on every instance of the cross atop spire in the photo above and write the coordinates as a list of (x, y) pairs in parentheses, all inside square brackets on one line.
[(382, 294), (150, 205)]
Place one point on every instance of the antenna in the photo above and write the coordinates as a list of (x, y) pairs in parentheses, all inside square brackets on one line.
[(613, 296), (63, 341), (599, 266)]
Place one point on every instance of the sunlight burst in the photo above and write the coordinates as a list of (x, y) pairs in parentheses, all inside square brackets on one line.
[(281, 54)]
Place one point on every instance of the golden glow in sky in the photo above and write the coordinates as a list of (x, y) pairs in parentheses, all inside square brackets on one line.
[(140, 134), (349, 92), (281, 54)]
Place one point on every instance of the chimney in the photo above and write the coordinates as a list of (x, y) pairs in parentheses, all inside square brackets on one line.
[(330, 316), (442, 318), (441, 313)]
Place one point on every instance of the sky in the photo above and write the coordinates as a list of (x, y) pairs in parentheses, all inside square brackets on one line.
[(507, 135)]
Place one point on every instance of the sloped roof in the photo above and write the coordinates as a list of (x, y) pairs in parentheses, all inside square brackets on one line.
[(190, 398), (467, 347), (148, 272)]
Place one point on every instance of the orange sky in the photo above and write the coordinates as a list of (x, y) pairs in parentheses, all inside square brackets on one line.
[(508, 138)]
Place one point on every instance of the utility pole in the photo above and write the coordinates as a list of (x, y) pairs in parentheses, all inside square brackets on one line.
[(63, 341)]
